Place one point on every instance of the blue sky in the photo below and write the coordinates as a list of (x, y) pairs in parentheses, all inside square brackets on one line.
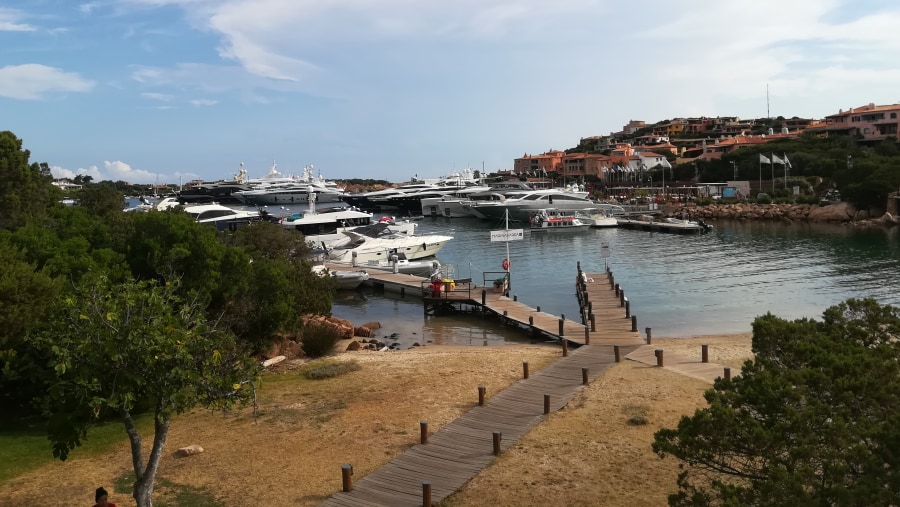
[(169, 90)]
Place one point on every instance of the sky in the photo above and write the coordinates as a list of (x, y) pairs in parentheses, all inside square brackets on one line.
[(166, 91)]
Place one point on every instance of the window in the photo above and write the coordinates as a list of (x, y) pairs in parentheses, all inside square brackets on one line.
[(893, 116)]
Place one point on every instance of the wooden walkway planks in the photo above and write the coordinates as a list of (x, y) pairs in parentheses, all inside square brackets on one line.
[(464, 447)]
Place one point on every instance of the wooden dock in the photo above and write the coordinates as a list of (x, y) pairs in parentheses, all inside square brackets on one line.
[(444, 461), (429, 472)]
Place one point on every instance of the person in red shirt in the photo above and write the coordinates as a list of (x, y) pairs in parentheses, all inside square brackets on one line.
[(102, 498)]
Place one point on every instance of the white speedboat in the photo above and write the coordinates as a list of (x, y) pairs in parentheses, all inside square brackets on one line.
[(521, 206), (376, 242), (345, 279), (554, 220), (605, 215), (222, 217), (398, 263)]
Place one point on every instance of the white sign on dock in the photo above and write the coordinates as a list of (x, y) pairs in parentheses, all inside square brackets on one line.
[(508, 235), (604, 250)]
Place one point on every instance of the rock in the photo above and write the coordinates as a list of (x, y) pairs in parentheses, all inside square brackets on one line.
[(862, 214), (362, 331), (841, 212), (270, 362), (372, 325), (354, 345), (188, 451), (889, 219)]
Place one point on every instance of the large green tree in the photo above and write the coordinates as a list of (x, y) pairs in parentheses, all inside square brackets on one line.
[(812, 420), (25, 192), (114, 349)]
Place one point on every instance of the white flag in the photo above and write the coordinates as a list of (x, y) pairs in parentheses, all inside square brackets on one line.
[(787, 162), (763, 159), (776, 160)]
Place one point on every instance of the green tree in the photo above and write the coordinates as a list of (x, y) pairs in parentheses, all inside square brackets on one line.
[(102, 199), (812, 420), (113, 349), (24, 192)]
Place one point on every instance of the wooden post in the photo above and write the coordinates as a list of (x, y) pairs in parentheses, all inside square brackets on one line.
[(612, 281), (546, 404), (423, 432), (525, 369), (505, 313), (704, 353), (346, 481), (587, 335), (565, 346), (634, 323), (590, 306), (515, 297), (578, 264), (539, 308), (483, 297), (593, 324), (497, 438), (649, 335), (659, 357), (617, 290), (616, 353), (621, 297), (481, 391), (584, 376), (727, 373), (561, 331), (627, 309), (531, 320), (426, 494), (402, 291)]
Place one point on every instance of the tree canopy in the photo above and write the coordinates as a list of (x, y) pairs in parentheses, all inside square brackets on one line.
[(117, 348), (812, 419)]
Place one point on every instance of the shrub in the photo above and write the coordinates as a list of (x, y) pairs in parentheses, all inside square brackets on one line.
[(763, 198), (319, 339), (329, 369)]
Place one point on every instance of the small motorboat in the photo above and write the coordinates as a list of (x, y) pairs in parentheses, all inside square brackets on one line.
[(554, 220), (345, 279)]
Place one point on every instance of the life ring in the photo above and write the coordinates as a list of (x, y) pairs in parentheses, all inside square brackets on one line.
[(505, 264)]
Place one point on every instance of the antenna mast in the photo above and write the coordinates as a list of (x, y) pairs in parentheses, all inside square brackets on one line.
[(767, 102)]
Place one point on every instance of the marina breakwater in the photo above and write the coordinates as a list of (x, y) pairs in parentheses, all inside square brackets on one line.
[(840, 212)]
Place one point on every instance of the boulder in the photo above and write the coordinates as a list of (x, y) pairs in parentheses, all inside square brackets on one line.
[(354, 345), (188, 451), (274, 360), (362, 331), (840, 212), (372, 325)]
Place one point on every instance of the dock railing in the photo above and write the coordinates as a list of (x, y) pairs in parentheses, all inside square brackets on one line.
[(496, 281), (447, 288)]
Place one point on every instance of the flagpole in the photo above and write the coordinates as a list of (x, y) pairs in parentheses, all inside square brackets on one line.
[(785, 170), (760, 173), (772, 166)]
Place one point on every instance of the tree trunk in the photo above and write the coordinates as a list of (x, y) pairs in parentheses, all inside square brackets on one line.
[(143, 486)]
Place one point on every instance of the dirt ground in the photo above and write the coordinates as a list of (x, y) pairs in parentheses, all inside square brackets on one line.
[(585, 454)]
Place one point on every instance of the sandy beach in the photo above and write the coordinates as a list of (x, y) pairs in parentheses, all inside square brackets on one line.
[(585, 454)]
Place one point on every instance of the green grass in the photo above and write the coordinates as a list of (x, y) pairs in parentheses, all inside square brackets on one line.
[(24, 447), (328, 369), (169, 494)]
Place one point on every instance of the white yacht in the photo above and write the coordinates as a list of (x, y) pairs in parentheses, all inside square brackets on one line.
[(519, 205), (275, 188), (376, 242)]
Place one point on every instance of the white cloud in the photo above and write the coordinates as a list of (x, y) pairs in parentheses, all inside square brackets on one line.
[(32, 81), (9, 21), (164, 97), (204, 102), (120, 171)]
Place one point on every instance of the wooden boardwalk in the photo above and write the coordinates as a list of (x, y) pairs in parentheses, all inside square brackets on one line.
[(462, 448)]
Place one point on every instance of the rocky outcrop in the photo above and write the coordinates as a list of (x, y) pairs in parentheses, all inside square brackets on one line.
[(841, 212)]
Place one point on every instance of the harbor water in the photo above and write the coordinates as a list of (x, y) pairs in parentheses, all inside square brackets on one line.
[(677, 284)]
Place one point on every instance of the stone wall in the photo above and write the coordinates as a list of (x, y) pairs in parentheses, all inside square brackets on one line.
[(841, 212)]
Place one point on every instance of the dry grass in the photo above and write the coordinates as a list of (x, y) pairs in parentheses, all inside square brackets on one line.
[(586, 454)]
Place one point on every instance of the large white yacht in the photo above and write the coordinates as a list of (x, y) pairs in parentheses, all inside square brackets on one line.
[(376, 243), (275, 188), (519, 206)]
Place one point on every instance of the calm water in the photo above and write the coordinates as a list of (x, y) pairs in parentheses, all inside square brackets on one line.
[(680, 285)]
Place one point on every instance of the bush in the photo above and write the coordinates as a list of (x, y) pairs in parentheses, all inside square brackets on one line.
[(319, 339), (763, 198), (329, 369)]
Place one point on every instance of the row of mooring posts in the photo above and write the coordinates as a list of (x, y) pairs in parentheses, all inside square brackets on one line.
[(704, 358), (587, 306), (496, 436)]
